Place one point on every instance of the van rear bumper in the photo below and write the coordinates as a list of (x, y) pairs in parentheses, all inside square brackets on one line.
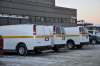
[(84, 43)]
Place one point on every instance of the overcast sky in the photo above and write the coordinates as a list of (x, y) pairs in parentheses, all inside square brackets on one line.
[(88, 10)]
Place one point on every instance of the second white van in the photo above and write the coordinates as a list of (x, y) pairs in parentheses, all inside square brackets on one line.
[(76, 37)]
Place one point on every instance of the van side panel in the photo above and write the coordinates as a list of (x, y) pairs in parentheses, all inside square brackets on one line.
[(84, 37), (42, 36), (72, 33), (58, 36), (15, 34)]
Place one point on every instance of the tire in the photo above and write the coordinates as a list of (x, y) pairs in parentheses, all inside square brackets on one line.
[(70, 45), (79, 46), (21, 50), (93, 42)]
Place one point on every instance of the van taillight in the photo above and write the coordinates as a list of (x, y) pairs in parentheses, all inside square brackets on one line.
[(34, 29), (1, 43)]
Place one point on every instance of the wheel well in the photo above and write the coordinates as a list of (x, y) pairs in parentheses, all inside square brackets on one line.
[(20, 44), (70, 40)]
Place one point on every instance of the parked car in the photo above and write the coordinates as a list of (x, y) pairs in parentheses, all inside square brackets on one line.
[(94, 37)]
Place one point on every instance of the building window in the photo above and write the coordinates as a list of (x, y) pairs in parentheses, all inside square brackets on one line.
[(24, 21), (14, 21), (56, 20), (52, 19), (42, 19), (74, 20), (47, 19), (66, 20), (38, 19), (59, 20), (33, 19), (3, 21)]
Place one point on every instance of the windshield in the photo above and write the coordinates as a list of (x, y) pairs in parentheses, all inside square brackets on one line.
[(98, 33)]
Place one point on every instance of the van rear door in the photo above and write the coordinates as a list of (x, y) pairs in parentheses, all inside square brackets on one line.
[(84, 37), (42, 33), (59, 37)]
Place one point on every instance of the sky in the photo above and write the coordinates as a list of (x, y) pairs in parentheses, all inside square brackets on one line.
[(88, 10)]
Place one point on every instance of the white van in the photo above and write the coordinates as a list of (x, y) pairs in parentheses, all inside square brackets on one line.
[(29, 37), (76, 37)]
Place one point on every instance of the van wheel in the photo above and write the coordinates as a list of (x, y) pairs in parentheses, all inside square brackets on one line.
[(22, 50), (70, 45)]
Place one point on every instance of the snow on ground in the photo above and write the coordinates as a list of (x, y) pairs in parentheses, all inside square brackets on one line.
[(89, 56)]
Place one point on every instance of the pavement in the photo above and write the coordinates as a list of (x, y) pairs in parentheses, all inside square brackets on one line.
[(88, 56)]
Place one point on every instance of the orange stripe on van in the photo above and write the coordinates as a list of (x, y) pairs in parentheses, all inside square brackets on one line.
[(17, 36), (43, 36), (24, 36)]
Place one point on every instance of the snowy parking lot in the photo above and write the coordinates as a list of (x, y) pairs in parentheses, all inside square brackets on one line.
[(88, 56)]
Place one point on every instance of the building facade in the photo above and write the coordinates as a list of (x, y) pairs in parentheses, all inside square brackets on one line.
[(42, 12)]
